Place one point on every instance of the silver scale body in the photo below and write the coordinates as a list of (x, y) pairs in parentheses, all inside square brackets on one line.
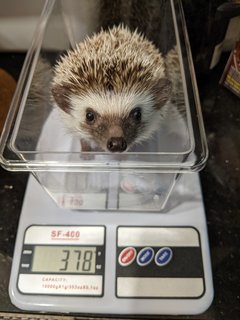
[(39, 209)]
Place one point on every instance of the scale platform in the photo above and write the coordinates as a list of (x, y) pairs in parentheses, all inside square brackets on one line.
[(111, 263)]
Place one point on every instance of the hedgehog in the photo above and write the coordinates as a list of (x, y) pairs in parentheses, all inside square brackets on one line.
[(112, 90)]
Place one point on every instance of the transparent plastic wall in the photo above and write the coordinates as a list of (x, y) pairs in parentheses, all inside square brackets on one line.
[(141, 179)]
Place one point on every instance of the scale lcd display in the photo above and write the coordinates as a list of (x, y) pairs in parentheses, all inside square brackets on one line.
[(64, 259)]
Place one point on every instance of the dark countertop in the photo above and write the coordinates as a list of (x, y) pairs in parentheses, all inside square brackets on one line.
[(220, 184)]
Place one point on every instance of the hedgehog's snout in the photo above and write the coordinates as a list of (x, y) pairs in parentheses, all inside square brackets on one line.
[(116, 141), (117, 144)]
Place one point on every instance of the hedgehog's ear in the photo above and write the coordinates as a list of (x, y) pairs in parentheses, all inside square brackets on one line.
[(162, 90), (60, 94)]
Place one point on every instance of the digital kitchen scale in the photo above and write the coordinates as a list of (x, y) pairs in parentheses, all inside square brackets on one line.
[(100, 233), (111, 263)]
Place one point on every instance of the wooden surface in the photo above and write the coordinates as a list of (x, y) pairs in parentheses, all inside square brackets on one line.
[(7, 88)]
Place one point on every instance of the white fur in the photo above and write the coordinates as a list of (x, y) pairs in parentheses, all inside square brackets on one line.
[(109, 103)]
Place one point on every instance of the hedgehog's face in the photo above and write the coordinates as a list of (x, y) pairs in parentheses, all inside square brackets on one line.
[(114, 133), (114, 121)]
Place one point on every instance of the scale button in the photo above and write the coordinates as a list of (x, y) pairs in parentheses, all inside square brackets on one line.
[(127, 256), (145, 256), (163, 256)]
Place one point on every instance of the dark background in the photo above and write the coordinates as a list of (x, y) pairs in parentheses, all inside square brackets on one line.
[(220, 178)]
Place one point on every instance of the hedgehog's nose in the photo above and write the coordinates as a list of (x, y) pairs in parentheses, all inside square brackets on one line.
[(117, 144)]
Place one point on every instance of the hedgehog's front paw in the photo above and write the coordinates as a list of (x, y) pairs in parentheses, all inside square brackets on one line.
[(85, 147)]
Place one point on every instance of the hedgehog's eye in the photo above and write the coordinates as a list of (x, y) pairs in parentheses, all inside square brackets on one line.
[(90, 116), (136, 114)]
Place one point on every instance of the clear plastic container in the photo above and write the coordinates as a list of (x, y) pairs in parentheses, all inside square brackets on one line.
[(34, 138)]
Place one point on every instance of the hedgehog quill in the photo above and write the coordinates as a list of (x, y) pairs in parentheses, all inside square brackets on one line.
[(112, 90)]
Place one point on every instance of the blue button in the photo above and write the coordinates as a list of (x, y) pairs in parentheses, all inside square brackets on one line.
[(145, 256), (163, 256)]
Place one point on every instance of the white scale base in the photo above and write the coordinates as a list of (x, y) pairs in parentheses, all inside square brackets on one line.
[(180, 287)]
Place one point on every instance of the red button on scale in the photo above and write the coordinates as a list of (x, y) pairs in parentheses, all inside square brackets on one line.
[(127, 256)]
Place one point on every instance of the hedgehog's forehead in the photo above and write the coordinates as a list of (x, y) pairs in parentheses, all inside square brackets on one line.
[(109, 102)]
